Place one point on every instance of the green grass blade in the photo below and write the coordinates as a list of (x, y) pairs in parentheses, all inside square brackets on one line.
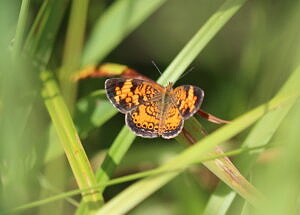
[(113, 158), (131, 196), (114, 25), (200, 40), (23, 18), (73, 49), (40, 40), (69, 138), (115, 154), (260, 135), (37, 51), (221, 167)]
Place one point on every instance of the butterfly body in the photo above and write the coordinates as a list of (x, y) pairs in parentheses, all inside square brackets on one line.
[(151, 109)]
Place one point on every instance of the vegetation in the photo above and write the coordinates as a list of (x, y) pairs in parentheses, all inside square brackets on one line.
[(65, 150)]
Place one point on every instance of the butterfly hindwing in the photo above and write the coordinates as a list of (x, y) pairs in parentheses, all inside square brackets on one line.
[(127, 94), (145, 119), (188, 99), (172, 122)]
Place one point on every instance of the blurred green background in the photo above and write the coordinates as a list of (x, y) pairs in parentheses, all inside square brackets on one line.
[(243, 66)]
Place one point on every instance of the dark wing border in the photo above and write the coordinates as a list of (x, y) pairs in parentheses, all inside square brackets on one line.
[(139, 131)]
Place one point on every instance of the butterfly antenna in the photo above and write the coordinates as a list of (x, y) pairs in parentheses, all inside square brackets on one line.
[(187, 72), (156, 67)]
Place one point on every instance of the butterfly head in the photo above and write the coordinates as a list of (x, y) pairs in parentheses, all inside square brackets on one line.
[(169, 87)]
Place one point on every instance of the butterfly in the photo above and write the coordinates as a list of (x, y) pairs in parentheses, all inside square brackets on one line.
[(152, 110)]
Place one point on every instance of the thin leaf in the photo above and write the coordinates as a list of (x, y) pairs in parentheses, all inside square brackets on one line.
[(39, 43), (69, 138), (73, 49), (222, 167), (23, 18), (200, 40), (260, 135)]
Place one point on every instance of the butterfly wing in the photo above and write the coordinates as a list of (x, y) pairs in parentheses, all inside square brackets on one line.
[(144, 120), (172, 122), (188, 99), (127, 94)]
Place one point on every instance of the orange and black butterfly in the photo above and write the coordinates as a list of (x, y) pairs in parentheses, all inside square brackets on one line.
[(151, 109)]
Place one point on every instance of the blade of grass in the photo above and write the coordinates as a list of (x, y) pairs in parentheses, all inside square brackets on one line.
[(73, 49), (200, 40), (221, 167), (37, 50), (42, 37), (19, 38), (115, 154), (69, 138), (40, 40), (17, 95), (114, 25), (23, 17), (260, 135), (39, 45), (131, 196)]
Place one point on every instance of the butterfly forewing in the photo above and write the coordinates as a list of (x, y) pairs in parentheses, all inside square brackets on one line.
[(188, 99), (127, 94)]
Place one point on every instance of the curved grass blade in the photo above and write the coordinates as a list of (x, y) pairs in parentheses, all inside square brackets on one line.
[(200, 40), (222, 167), (260, 135)]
